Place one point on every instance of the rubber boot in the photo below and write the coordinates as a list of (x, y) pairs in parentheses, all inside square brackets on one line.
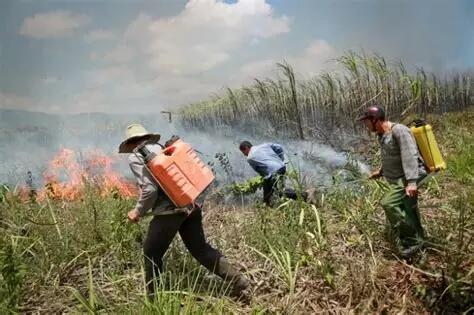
[(236, 279), (409, 251)]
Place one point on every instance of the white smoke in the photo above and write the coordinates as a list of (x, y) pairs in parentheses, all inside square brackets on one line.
[(33, 143)]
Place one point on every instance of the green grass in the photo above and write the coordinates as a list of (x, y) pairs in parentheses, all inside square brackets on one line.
[(84, 257)]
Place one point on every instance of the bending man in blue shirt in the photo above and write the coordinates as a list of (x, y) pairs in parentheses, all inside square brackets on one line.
[(268, 161)]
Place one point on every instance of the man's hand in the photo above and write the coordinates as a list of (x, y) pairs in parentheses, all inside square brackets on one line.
[(134, 215), (411, 190), (376, 174)]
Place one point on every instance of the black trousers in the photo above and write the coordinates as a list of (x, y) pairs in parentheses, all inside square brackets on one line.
[(273, 183), (160, 235)]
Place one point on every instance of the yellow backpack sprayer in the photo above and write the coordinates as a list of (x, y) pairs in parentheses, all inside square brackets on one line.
[(427, 145)]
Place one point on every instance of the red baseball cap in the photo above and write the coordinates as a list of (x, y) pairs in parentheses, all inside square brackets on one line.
[(373, 112)]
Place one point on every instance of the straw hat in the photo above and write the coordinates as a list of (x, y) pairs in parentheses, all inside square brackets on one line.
[(133, 132)]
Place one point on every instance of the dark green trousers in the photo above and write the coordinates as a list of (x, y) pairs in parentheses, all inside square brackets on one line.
[(161, 232), (163, 229), (403, 215)]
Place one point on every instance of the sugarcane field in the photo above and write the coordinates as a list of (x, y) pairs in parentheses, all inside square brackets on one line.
[(237, 157)]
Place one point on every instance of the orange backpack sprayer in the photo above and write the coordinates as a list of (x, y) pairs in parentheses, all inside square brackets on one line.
[(179, 172), (427, 145)]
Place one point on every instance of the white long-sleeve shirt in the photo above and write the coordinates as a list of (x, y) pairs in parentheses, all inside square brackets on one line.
[(152, 197)]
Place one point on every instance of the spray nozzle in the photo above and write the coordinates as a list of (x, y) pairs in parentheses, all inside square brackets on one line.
[(419, 122)]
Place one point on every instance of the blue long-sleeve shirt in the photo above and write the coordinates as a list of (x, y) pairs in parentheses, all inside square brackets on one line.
[(266, 159)]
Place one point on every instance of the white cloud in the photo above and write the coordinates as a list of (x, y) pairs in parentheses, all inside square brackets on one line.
[(314, 58), (123, 96), (203, 35), (112, 89), (311, 61), (158, 62), (174, 90), (100, 35), (257, 69), (55, 24)]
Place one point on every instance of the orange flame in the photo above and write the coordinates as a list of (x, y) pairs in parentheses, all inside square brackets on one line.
[(110, 181), (68, 179)]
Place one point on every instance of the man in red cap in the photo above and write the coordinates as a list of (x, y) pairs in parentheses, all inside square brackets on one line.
[(403, 168)]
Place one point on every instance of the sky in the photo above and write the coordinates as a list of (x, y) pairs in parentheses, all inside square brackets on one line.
[(135, 56)]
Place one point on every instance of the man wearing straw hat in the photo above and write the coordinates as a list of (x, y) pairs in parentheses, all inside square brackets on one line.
[(403, 168), (168, 220)]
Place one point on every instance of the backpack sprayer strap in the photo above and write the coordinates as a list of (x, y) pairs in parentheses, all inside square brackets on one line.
[(142, 148), (420, 156)]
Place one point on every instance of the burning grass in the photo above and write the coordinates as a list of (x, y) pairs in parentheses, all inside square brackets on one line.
[(68, 178), (333, 256)]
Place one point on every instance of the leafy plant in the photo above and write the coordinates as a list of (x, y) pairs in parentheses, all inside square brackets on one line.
[(286, 267), (12, 272), (248, 187), (4, 189)]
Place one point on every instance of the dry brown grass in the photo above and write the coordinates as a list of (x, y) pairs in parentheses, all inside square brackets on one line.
[(336, 260)]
